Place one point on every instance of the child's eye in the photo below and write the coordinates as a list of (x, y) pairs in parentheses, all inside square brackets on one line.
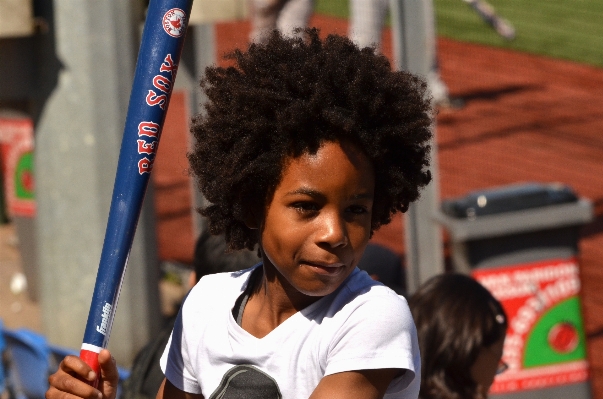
[(358, 209), (305, 207)]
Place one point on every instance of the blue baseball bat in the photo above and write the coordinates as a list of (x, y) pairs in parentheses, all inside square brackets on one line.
[(156, 67)]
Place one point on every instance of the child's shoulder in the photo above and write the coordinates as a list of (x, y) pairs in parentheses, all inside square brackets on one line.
[(220, 285), (361, 293), (361, 285)]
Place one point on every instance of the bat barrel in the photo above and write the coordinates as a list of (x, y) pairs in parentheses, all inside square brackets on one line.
[(156, 67)]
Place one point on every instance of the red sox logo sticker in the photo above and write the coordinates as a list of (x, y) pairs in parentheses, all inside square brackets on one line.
[(174, 22), (149, 131)]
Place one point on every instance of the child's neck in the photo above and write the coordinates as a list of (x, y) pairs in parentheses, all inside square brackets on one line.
[(272, 301)]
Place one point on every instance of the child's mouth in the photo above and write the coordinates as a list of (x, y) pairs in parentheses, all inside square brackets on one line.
[(327, 270)]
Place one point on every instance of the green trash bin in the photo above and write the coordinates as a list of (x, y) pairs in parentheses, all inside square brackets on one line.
[(521, 242)]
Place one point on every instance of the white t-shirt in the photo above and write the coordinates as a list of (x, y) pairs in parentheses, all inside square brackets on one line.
[(362, 325)]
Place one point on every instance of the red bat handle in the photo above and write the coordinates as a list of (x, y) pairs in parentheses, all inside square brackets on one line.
[(91, 358)]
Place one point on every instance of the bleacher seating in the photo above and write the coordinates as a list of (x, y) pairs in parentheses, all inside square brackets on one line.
[(28, 360)]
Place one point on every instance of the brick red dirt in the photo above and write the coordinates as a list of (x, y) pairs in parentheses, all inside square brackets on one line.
[(527, 118)]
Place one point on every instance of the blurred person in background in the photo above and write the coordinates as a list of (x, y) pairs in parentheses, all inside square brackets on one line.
[(284, 15), (461, 329), (385, 266), (367, 19)]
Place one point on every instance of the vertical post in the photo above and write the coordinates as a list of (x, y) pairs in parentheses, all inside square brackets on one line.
[(204, 15), (205, 55), (204, 40), (78, 139), (413, 30)]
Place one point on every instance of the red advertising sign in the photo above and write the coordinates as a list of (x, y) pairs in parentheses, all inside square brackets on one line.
[(16, 153), (545, 342)]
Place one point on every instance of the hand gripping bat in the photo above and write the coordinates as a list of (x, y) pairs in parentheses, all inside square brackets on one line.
[(156, 67), (487, 13)]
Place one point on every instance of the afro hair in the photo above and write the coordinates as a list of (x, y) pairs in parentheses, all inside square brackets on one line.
[(285, 98)]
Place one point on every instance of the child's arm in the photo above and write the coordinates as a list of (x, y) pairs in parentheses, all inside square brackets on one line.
[(72, 373), (361, 384)]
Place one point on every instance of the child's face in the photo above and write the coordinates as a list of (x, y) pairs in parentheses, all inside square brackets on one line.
[(318, 223)]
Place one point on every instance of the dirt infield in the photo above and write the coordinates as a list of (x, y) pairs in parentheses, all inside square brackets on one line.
[(527, 118)]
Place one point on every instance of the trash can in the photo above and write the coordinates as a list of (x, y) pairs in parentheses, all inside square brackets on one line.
[(521, 242)]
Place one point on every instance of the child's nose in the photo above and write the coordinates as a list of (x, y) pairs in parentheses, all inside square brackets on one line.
[(333, 230)]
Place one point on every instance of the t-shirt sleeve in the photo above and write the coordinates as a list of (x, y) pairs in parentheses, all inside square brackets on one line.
[(378, 332), (175, 361)]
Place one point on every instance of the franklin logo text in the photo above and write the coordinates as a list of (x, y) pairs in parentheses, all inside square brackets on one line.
[(106, 315)]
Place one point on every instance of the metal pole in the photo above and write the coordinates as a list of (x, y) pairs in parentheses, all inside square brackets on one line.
[(205, 55), (413, 30)]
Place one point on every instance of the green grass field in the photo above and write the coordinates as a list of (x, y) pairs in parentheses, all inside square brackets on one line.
[(567, 29)]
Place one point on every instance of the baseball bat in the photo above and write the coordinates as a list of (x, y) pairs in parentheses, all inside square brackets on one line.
[(487, 13), (156, 66)]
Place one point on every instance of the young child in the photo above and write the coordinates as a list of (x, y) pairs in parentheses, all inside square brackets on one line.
[(304, 149), (462, 330)]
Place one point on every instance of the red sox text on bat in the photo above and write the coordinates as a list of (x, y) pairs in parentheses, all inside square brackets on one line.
[(148, 131)]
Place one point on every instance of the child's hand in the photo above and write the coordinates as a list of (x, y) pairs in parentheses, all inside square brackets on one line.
[(72, 373)]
